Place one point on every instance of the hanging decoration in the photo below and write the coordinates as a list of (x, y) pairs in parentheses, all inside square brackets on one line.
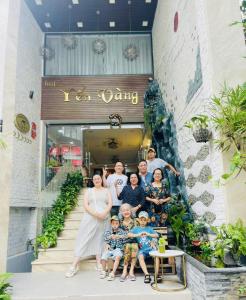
[(69, 40), (99, 46), (131, 52)]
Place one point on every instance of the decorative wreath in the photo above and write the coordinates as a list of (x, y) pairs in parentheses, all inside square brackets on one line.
[(115, 119)]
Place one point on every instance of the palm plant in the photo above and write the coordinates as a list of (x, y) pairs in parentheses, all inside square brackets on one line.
[(5, 286)]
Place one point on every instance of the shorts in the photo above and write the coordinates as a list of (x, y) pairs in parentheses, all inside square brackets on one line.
[(130, 251), (112, 254), (145, 252)]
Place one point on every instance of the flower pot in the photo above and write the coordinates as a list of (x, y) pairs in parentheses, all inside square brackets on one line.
[(196, 243), (202, 135)]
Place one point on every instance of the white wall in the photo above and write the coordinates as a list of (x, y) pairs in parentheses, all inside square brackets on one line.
[(185, 65), (20, 181)]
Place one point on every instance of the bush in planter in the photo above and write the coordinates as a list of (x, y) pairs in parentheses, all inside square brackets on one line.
[(199, 126), (230, 238), (54, 222), (5, 286), (196, 232)]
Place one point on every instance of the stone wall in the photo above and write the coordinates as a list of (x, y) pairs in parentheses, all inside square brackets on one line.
[(183, 67)]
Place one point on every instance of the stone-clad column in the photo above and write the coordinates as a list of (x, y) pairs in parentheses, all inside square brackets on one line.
[(9, 27)]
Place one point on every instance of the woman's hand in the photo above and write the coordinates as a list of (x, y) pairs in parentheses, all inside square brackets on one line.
[(101, 216), (134, 209), (104, 172)]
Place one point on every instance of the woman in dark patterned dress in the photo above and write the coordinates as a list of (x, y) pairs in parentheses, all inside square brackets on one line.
[(157, 197)]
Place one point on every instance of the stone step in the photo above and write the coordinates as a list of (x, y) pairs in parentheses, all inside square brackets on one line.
[(60, 264), (54, 253), (69, 233), (65, 243), (75, 215), (72, 224)]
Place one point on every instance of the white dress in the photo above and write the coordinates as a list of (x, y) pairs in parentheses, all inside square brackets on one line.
[(90, 238)]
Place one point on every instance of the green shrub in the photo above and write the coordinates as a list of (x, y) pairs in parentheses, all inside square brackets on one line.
[(5, 286)]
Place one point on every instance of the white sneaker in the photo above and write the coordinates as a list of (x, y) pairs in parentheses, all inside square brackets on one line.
[(103, 274), (111, 276), (71, 271)]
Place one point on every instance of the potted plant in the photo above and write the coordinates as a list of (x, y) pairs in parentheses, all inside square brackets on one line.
[(230, 243), (199, 126), (196, 232), (5, 286)]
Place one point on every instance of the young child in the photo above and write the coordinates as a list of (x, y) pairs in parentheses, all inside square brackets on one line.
[(115, 239), (131, 245), (145, 237)]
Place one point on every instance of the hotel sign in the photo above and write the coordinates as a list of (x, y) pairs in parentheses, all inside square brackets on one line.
[(91, 99)]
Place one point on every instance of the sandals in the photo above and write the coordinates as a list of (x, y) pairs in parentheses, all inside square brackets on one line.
[(147, 278)]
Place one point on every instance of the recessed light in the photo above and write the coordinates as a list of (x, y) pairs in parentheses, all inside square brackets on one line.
[(80, 24), (111, 24), (147, 1), (145, 23), (111, 1), (47, 24), (75, 1), (39, 2)]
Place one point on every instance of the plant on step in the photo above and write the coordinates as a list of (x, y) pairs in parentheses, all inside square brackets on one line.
[(232, 238), (177, 215), (53, 224), (199, 125), (206, 251), (5, 286)]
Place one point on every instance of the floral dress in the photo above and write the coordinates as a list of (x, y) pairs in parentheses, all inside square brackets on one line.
[(131, 246), (156, 211)]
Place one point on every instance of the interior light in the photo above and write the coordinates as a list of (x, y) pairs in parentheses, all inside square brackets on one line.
[(39, 2), (75, 1), (145, 23), (111, 24), (47, 24), (80, 24)]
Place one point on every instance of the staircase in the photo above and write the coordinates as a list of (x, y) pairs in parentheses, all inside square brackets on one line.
[(59, 259)]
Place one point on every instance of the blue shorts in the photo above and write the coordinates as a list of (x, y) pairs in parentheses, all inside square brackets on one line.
[(145, 252), (111, 254)]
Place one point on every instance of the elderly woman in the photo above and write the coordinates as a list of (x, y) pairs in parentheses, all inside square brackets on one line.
[(157, 197)]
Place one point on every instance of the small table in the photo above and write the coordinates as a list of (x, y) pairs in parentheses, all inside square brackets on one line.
[(167, 254)]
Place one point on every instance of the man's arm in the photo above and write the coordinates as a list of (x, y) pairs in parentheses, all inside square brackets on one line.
[(170, 167)]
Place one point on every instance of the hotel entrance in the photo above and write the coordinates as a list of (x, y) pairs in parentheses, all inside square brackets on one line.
[(92, 147)]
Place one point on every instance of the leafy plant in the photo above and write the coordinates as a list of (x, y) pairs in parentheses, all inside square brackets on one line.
[(195, 231), (65, 202), (229, 118), (206, 251), (53, 163), (230, 237), (5, 286), (2, 144), (199, 121)]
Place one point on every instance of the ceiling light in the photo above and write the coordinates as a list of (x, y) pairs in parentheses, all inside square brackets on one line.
[(111, 24), (47, 24), (111, 1), (80, 24), (39, 2), (147, 1), (145, 23), (75, 1)]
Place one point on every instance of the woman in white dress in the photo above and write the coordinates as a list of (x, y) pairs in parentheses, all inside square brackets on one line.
[(95, 221)]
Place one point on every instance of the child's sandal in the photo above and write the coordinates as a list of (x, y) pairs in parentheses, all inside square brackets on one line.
[(147, 278)]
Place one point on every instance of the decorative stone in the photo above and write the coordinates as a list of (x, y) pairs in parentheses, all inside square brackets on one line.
[(203, 153), (209, 217), (204, 175), (190, 161), (192, 199), (191, 181), (206, 198)]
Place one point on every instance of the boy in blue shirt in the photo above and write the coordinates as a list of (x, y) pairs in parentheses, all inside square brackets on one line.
[(145, 237)]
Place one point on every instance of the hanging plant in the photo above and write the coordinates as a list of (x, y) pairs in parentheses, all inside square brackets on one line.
[(199, 126)]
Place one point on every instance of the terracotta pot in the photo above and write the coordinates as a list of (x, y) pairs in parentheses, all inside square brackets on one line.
[(196, 243)]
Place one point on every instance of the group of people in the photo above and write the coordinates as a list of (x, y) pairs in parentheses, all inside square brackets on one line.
[(120, 213)]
